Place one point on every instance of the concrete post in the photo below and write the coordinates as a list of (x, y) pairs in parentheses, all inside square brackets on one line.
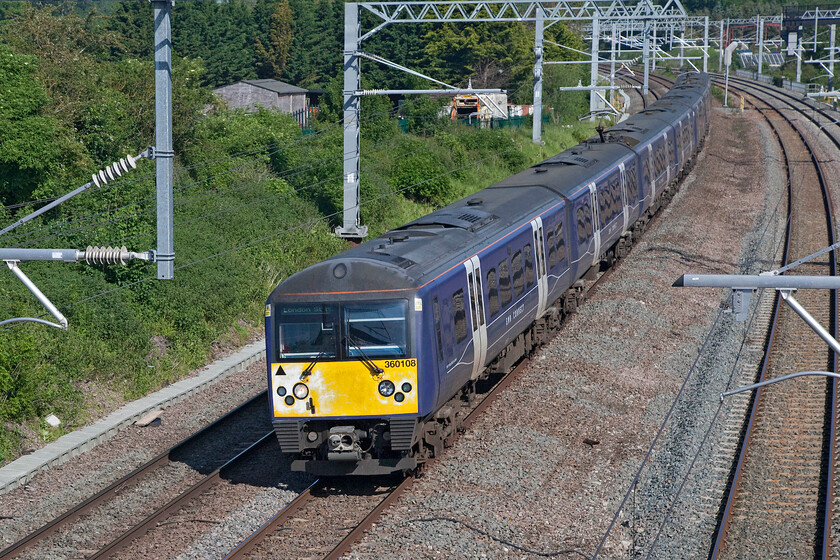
[(536, 134), (799, 56), (593, 74), (612, 64), (760, 44), (831, 39), (352, 104), (646, 56), (655, 49), (165, 253)]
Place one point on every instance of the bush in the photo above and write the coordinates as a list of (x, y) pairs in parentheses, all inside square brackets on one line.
[(419, 173)]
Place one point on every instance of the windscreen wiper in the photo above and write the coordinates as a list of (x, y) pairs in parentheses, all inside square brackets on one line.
[(308, 371), (374, 369)]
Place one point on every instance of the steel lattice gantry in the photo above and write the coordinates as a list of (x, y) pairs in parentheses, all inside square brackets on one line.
[(390, 13)]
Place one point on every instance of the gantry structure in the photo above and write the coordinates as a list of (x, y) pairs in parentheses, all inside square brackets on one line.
[(542, 14)]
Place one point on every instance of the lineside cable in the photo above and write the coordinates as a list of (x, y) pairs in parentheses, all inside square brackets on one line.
[(276, 234)]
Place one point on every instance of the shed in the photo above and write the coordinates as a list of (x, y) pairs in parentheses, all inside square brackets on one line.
[(268, 93)]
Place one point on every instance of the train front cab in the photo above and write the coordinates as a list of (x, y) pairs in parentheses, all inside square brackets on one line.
[(345, 383)]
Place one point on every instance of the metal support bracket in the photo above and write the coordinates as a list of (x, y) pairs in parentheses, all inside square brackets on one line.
[(154, 153), (13, 266), (743, 286), (740, 304)]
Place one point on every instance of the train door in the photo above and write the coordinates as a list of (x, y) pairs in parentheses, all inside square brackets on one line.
[(596, 224), (479, 325), (541, 268), (625, 202)]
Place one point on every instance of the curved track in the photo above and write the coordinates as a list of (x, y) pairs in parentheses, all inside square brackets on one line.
[(779, 500)]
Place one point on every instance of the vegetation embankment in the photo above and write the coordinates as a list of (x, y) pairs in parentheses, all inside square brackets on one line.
[(255, 200)]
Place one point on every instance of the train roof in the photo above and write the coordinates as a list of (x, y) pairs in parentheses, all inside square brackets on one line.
[(410, 256)]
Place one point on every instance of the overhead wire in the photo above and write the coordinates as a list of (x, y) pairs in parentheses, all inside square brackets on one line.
[(795, 192), (253, 242), (149, 200)]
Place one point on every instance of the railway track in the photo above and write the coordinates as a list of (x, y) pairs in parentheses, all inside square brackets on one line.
[(779, 500), (244, 425), (605, 69), (372, 497), (315, 507)]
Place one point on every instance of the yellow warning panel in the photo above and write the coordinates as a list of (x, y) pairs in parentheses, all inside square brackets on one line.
[(347, 388)]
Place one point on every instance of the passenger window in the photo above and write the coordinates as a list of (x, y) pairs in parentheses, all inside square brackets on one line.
[(581, 222), (552, 253), (587, 217), (518, 279), (632, 186), (529, 265), (603, 202), (460, 316), (617, 205), (560, 241), (504, 281), (493, 291), (437, 328), (480, 302), (472, 303)]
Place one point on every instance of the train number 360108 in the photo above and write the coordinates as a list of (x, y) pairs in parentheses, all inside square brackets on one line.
[(400, 363)]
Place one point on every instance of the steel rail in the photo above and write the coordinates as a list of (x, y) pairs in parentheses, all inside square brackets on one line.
[(724, 522), (125, 540), (348, 541), (83, 508), (794, 102), (254, 540)]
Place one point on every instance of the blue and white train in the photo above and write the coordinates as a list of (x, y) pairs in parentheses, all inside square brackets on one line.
[(374, 353)]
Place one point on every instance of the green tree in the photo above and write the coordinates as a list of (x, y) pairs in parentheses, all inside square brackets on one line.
[(316, 52), (29, 153), (491, 54), (221, 35), (132, 23), (272, 48)]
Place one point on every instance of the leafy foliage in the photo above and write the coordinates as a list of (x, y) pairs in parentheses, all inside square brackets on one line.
[(255, 200)]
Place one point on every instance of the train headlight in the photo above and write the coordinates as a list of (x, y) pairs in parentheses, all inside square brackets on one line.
[(386, 388), (300, 391)]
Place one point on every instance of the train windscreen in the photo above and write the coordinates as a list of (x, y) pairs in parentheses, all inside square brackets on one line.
[(366, 329), (307, 331), (376, 329)]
